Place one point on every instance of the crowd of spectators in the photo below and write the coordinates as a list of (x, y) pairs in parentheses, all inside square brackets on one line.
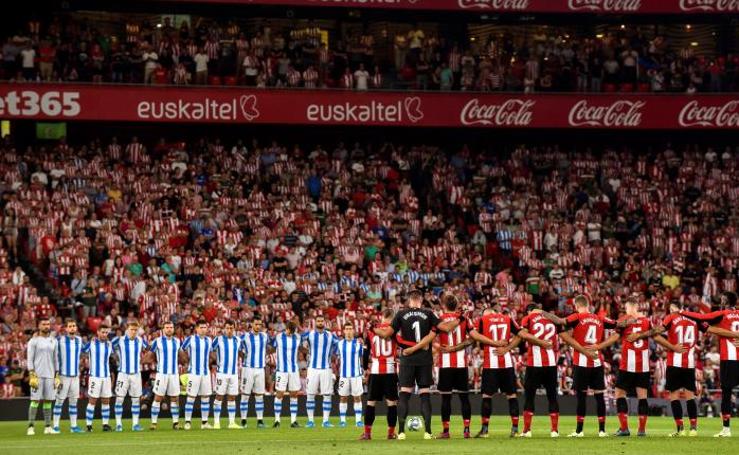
[(176, 231), (547, 58)]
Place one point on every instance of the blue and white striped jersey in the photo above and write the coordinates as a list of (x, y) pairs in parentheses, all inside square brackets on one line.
[(320, 344), (287, 352), (254, 346), (129, 353), (350, 358), (198, 349), (99, 352), (166, 351), (68, 355), (228, 353)]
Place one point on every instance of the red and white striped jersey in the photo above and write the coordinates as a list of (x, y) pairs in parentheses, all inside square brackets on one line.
[(588, 329), (382, 353), (684, 331), (456, 359), (725, 319), (635, 355), (498, 327), (543, 329)]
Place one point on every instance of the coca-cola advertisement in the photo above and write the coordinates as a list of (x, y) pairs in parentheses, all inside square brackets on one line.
[(517, 6), (340, 107)]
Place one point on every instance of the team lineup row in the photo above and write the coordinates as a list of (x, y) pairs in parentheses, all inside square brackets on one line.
[(398, 351)]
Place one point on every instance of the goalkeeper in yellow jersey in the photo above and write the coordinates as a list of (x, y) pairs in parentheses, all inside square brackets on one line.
[(43, 368)]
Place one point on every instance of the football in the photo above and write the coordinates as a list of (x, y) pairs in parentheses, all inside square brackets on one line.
[(414, 423)]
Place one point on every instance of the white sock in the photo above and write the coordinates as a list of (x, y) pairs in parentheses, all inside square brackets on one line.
[(90, 414), (73, 412), (310, 406), (204, 408), (293, 409), (135, 410), (58, 405), (357, 411), (174, 409), (118, 408), (278, 409), (105, 410), (217, 404), (342, 411), (189, 405), (155, 407), (244, 406), (326, 407), (231, 411), (259, 406)]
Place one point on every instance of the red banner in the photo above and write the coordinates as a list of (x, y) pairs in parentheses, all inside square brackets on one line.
[(520, 6), (337, 107)]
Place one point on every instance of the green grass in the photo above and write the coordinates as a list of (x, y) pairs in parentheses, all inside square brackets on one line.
[(337, 440)]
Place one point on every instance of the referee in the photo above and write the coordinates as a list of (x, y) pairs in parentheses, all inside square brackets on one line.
[(415, 329), (42, 365)]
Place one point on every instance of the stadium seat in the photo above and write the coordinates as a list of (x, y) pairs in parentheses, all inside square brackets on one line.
[(214, 80), (93, 323), (230, 80), (609, 88), (627, 87)]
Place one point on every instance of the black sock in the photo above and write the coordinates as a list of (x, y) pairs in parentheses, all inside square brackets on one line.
[(622, 405), (677, 412), (600, 406), (581, 409), (404, 397), (513, 409), (726, 406), (692, 411), (528, 400), (486, 410), (426, 411), (392, 416), (643, 407), (369, 415), (464, 400), (446, 408), (552, 398)]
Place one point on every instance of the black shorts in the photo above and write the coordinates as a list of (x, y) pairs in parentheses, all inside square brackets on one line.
[(680, 378), (584, 378), (412, 375), (383, 386), (628, 380), (540, 377), (498, 379), (729, 374), (453, 379)]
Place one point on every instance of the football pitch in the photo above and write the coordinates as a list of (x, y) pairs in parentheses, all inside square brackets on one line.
[(300, 441)]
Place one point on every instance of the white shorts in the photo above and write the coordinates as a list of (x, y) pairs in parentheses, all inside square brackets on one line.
[(252, 381), (167, 385), (99, 388), (351, 387), (128, 384), (287, 382), (199, 385), (227, 384), (69, 387), (320, 382), (44, 391)]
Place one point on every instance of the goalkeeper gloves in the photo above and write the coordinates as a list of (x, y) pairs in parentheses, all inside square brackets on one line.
[(57, 381), (33, 380)]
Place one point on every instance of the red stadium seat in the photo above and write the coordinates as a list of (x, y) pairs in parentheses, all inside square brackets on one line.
[(644, 87), (230, 80), (609, 88), (627, 87), (214, 80)]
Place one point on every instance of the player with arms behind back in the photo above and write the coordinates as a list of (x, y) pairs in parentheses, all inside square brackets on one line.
[(69, 348), (254, 344), (682, 338), (725, 324), (415, 327), (198, 347), (129, 347), (351, 352), (383, 380), (167, 382), (586, 335)]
